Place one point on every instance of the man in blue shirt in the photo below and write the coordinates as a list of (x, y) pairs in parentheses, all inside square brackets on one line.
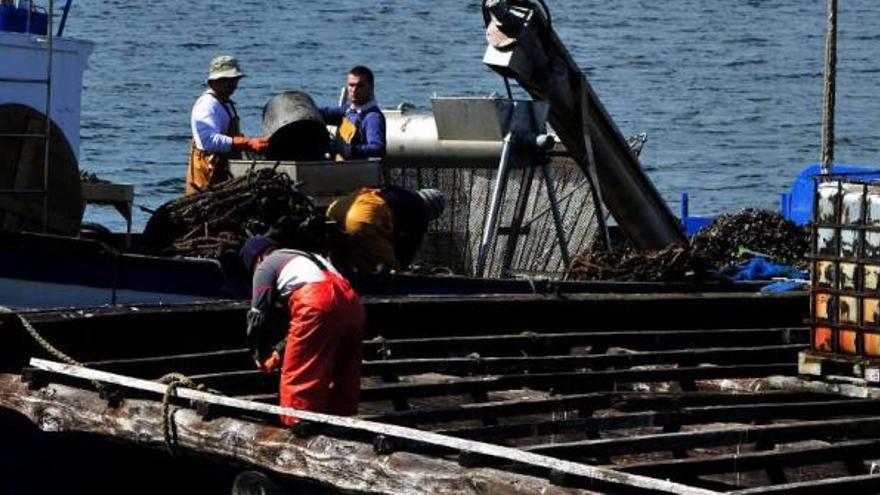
[(360, 123)]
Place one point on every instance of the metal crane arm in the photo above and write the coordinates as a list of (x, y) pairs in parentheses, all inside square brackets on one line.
[(524, 47)]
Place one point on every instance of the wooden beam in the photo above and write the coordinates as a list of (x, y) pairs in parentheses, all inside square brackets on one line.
[(206, 362), (777, 433), (190, 363), (690, 415), (253, 382), (627, 401), (601, 476), (538, 344), (576, 382), (868, 483), (471, 411), (754, 461), (347, 465), (514, 364), (640, 401)]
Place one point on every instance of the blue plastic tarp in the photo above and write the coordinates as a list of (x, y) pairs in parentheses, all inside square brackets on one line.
[(763, 269), (785, 286)]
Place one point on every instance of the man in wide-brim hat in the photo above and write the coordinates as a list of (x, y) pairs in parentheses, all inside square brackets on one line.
[(216, 128)]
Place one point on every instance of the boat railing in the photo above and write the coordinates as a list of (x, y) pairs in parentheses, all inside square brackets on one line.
[(45, 135)]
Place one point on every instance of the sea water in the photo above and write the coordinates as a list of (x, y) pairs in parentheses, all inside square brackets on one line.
[(729, 91)]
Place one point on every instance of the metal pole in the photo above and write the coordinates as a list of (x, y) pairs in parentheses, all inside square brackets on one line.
[(596, 191), (516, 223), (48, 128), (343, 95), (827, 157), (491, 225), (557, 218), (65, 10)]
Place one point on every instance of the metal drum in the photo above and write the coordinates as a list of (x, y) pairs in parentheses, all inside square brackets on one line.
[(295, 128)]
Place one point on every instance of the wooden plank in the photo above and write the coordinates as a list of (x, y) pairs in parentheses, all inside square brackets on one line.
[(599, 475), (867, 427), (691, 415), (349, 466), (252, 381), (634, 401), (470, 411), (538, 344), (505, 365), (868, 483), (190, 363), (753, 461), (797, 384), (204, 362), (506, 432), (576, 382)]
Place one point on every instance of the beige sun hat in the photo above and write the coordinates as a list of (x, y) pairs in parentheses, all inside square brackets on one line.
[(224, 67)]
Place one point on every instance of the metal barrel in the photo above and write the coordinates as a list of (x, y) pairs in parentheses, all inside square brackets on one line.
[(413, 142), (295, 128)]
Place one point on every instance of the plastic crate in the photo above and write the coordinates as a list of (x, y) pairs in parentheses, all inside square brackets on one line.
[(845, 295)]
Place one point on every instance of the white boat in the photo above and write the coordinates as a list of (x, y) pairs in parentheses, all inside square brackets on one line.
[(41, 76), (24, 71)]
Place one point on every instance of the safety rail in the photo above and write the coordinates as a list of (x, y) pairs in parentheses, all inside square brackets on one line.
[(45, 136)]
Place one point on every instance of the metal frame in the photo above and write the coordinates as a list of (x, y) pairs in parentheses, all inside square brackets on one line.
[(45, 136), (567, 394)]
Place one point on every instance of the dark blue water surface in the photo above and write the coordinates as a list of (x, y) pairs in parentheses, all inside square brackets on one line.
[(729, 91)]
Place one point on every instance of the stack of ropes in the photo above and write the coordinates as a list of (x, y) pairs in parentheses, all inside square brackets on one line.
[(216, 222)]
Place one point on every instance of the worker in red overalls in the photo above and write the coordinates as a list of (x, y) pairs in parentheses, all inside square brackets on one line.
[(320, 358)]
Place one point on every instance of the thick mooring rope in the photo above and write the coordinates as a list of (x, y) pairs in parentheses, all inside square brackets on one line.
[(45, 344), (169, 428), (48, 347), (173, 380)]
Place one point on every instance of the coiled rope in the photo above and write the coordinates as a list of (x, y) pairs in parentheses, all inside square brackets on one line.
[(169, 428)]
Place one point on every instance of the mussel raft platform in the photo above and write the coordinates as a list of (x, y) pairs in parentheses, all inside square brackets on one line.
[(611, 393)]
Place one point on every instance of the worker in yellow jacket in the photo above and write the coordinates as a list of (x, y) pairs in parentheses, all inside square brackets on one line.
[(384, 225)]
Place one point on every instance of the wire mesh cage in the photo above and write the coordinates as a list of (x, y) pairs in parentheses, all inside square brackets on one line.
[(530, 249)]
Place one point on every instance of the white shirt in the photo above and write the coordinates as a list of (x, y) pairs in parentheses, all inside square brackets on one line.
[(210, 121), (300, 271)]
